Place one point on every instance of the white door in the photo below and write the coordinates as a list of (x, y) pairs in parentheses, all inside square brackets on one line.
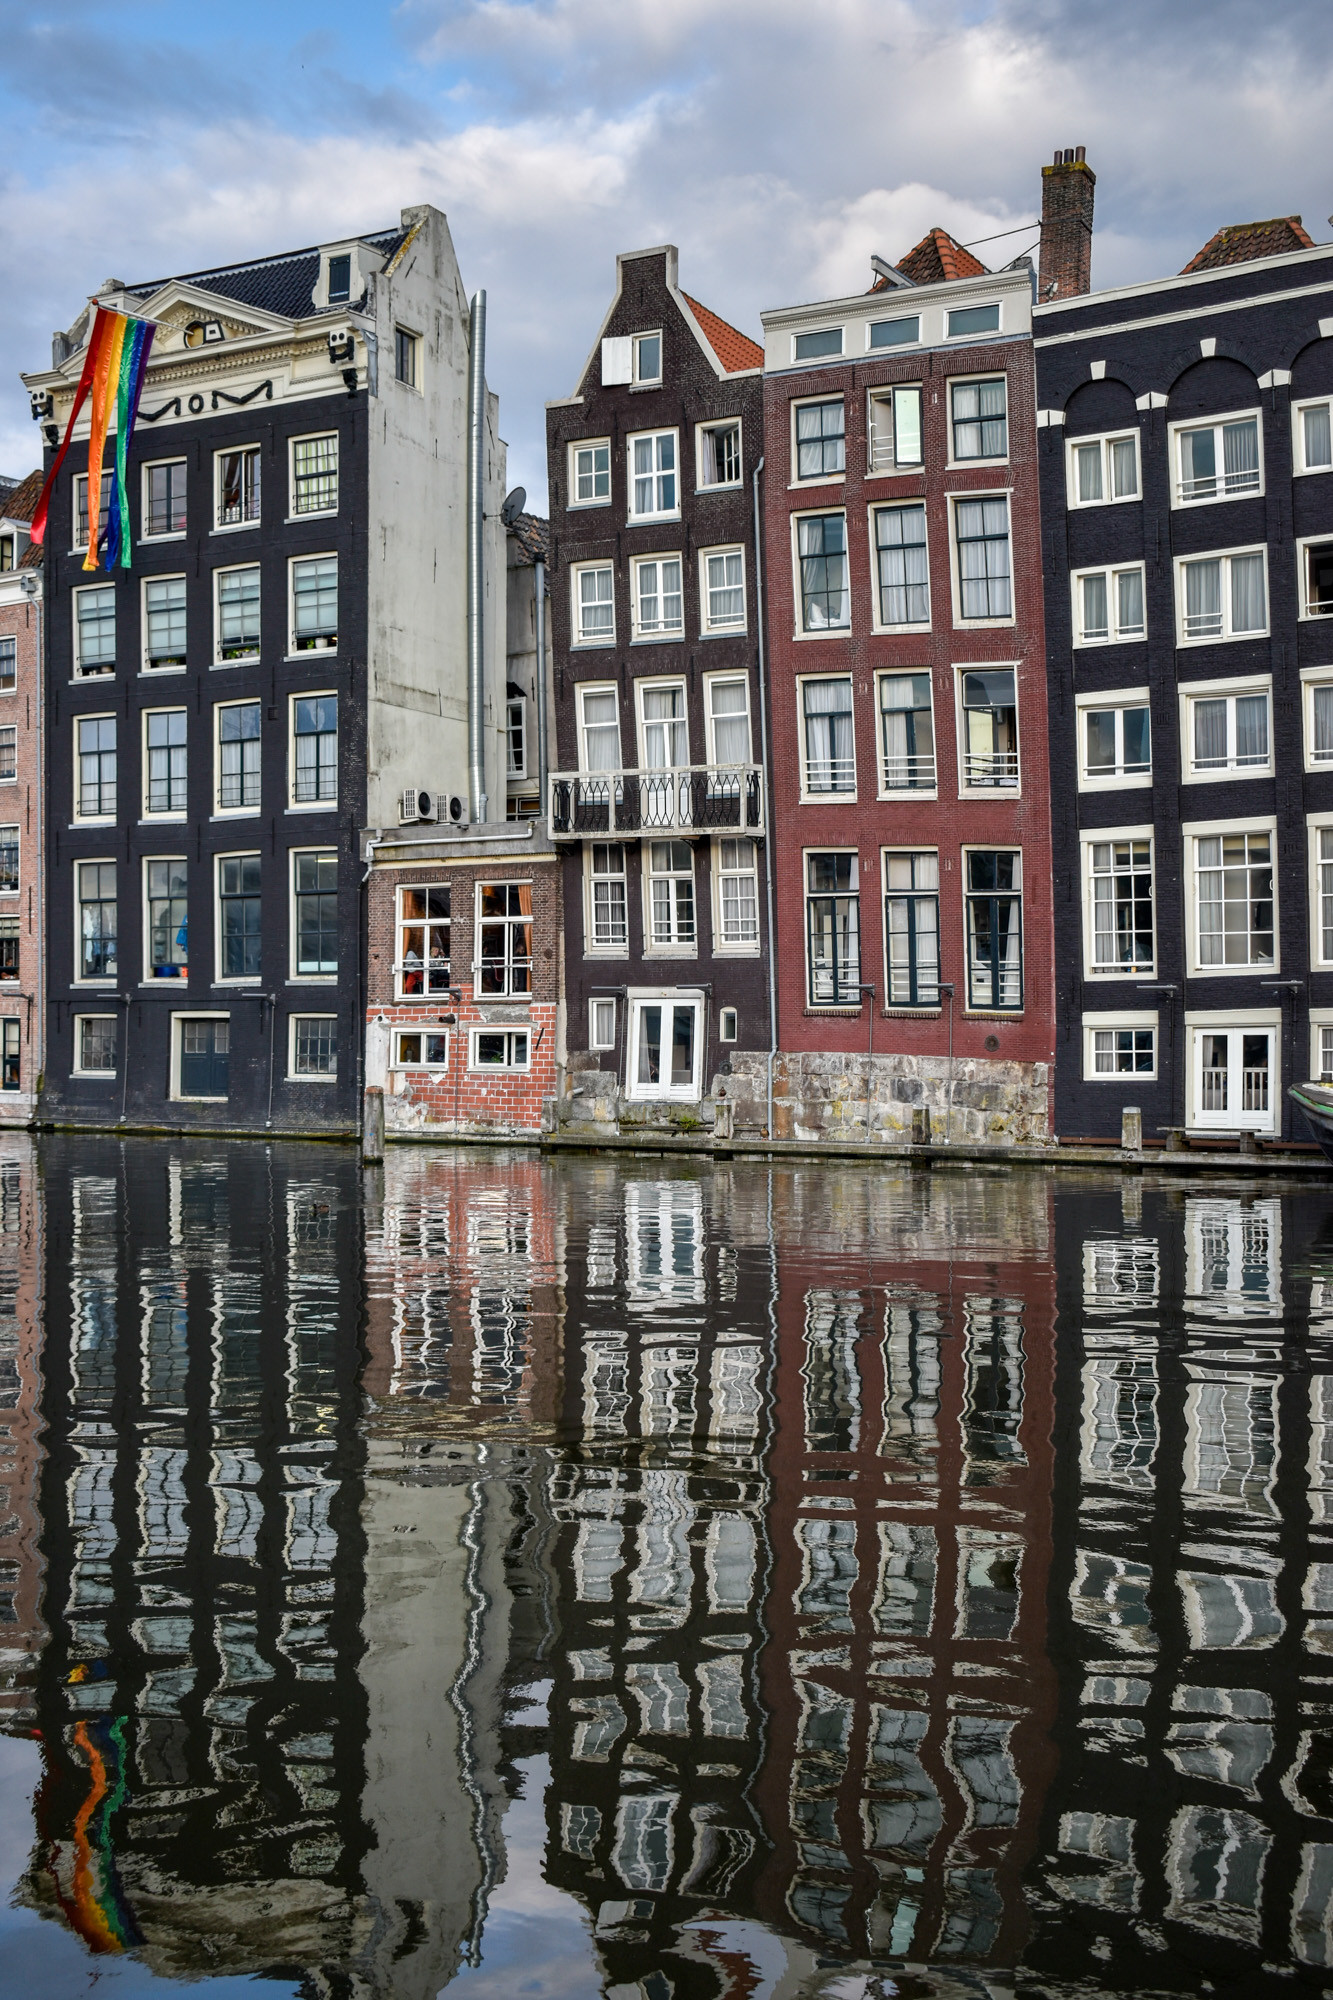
[(1235, 1079), (665, 1048)]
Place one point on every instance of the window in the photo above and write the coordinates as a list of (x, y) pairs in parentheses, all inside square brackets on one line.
[(9, 752), (238, 487), (610, 918), (340, 280), (821, 439), (653, 484), (666, 747), (516, 737), (1108, 605), (905, 332), (1120, 901), (904, 571), (1322, 837), (315, 889), (817, 346), (504, 917), (238, 614), (165, 887), (1115, 739), (1225, 734), (499, 1048), (671, 892), (10, 1038), (656, 598), (962, 320), (664, 1048), (980, 419), (590, 473), (315, 474), (990, 728), (164, 756), (833, 930), (647, 358), (719, 454), (315, 604), (912, 929), (724, 590), (594, 606), (95, 1042), (1124, 1046), (9, 948), (1233, 1076), (164, 622), (95, 631), (830, 754), (982, 530), (602, 1024), (738, 892), (405, 357), (421, 1049), (95, 890), (907, 733), (1222, 597), (994, 930), (1316, 561), (1233, 899), (1314, 437), (239, 756), (423, 941), (164, 498), (821, 540), (9, 666), (895, 428), (204, 1056), (9, 861), (239, 933), (600, 729), (314, 749), (81, 509), (728, 1024), (314, 1047), (1103, 470), (1318, 719), (1321, 1066), (1217, 461), (728, 710)]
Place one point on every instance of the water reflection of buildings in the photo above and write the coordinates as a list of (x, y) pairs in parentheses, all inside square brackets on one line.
[(22, 1631)]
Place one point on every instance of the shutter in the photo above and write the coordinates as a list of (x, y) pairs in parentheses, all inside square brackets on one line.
[(617, 361)]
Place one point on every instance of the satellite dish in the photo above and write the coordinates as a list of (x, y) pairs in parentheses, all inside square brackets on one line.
[(514, 504)]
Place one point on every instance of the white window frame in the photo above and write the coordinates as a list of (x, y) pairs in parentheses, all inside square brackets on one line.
[(221, 978), (516, 773), (1303, 544), (79, 817), (584, 689), (218, 526), (1300, 469), (886, 503), (294, 804), (1174, 431), (975, 305), (906, 794), (145, 813), (147, 975), (1112, 698), (145, 533), (1191, 691), (577, 640), (702, 485), (324, 651), (96, 1075), (615, 947), (1101, 836), (145, 664), (295, 1075), (295, 977), (707, 630), (657, 513), (235, 812), (102, 671), (640, 380), (636, 999), (892, 346), (479, 1028), (956, 567), (1311, 679), (1320, 1018), (818, 632), (1315, 824), (967, 790), (421, 885), (841, 850), (840, 798), (576, 445), (243, 659), (723, 678), (598, 1039), (419, 1028), (1259, 1020), (818, 360), (816, 478), (312, 513), (662, 635), (724, 947), (8, 641), (1073, 445), (1225, 637), (669, 947), (177, 1024), (888, 393), (1114, 635), (1191, 831), (108, 980), (660, 684), (1124, 1020), (728, 1024), (955, 382), (914, 851)]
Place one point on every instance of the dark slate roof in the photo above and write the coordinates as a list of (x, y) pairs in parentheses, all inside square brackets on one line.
[(273, 284), (1239, 242), (533, 535)]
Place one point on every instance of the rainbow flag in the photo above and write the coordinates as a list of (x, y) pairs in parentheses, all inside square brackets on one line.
[(113, 374)]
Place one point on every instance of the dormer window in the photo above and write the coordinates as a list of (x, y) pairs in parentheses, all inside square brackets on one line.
[(340, 280)]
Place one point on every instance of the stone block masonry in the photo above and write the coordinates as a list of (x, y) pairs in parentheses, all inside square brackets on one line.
[(841, 1096)]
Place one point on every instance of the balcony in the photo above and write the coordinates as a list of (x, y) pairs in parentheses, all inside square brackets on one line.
[(694, 798)]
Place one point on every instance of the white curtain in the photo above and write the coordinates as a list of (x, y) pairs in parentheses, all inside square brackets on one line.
[(1248, 608), (1203, 598), (1129, 605)]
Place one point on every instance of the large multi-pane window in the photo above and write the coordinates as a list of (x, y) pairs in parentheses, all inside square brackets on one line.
[(1217, 461), (165, 755), (1233, 891), (423, 940), (666, 744), (239, 724), (984, 569), (96, 740), (95, 631), (1116, 742), (166, 896), (658, 603), (239, 933), (164, 622), (238, 613), (81, 508), (821, 439), (164, 498), (724, 590), (1103, 470), (504, 920), (1324, 862), (995, 929), (600, 731), (907, 733), (1124, 1051), (1120, 890), (821, 541), (1227, 734), (1108, 606), (315, 474), (654, 482), (737, 892), (610, 916), (980, 414), (590, 473), (729, 721), (238, 486), (1223, 597), (912, 928), (315, 1045), (990, 728), (95, 890), (315, 894), (671, 892), (594, 605), (315, 604), (830, 757), (833, 930), (904, 573), (95, 1040), (314, 749)]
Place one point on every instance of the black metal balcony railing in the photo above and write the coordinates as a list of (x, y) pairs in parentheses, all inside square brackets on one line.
[(694, 798)]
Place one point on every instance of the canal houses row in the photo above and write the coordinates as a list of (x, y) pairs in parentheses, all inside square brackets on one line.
[(912, 725)]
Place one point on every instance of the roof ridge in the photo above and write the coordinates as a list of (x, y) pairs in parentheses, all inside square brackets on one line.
[(255, 263)]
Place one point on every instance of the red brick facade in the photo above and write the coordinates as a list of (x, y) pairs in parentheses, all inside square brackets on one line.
[(22, 932)]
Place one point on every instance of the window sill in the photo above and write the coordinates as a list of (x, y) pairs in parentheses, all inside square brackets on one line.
[(832, 1013), (316, 653), (1182, 506), (324, 979), (292, 1078), (241, 660), (586, 506), (313, 806), (315, 514), (157, 541), (163, 819), (731, 486), (235, 812), (658, 638), (897, 472), (234, 527), (826, 632), (977, 464), (1224, 777), (93, 1076), (725, 632), (1185, 645), (993, 1013), (650, 520), (909, 795), (961, 624), (591, 645), (161, 673), (828, 799), (911, 1013)]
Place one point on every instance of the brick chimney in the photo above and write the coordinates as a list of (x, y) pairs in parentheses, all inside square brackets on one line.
[(1067, 189)]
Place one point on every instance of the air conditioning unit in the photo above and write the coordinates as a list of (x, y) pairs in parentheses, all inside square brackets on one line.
[(415, 806), (450, 806)]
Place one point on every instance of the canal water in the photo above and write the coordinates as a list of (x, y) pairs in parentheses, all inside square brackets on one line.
[(637, 1579)]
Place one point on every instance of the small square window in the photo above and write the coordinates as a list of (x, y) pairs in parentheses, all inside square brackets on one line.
[(315, 1045), (1123, 1051), (406, 359), (499, 1048), (590, 473), (421, 1048), (96, 1037), (647, 358)]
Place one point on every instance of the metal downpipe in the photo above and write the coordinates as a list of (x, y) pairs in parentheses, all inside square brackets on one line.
[(543, 773), (476, 574)]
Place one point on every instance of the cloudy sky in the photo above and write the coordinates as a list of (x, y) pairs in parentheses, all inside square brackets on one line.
[(777, 142)]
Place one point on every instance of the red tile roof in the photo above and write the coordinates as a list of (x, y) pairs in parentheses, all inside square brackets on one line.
[(734, 350), (20, 504), (1241, 241), (937, 258)]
